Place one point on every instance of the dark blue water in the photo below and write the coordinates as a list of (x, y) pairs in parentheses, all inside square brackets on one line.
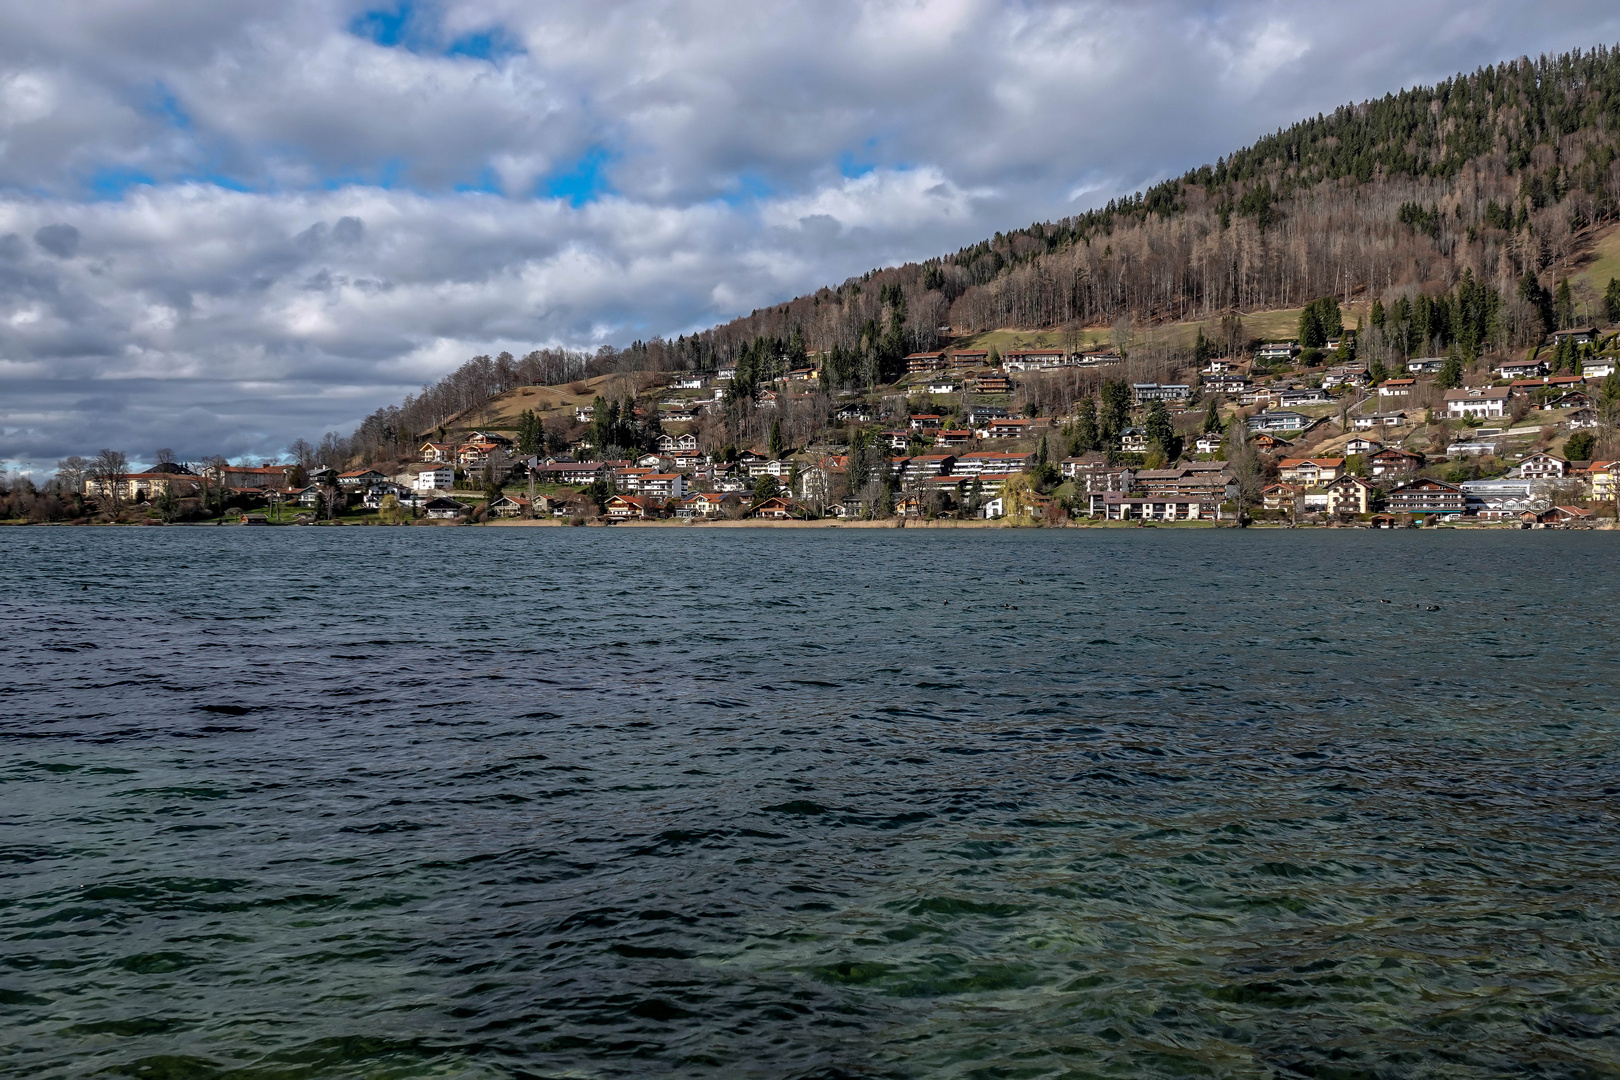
[(310, 803)]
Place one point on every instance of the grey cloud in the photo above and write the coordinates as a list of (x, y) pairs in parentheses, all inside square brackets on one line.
[(60, 240)]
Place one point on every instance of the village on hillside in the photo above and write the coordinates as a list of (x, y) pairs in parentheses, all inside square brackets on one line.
[(1283, 432)]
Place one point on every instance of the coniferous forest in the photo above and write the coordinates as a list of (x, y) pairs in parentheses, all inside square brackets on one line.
[(1459, 207)]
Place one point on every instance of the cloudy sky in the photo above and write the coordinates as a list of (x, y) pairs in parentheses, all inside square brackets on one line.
[(226, 224)]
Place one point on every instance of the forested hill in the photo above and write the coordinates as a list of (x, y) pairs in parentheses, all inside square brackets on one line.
[(1475, 181)]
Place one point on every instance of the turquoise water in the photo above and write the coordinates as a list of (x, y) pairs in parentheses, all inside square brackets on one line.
[(601, 803)]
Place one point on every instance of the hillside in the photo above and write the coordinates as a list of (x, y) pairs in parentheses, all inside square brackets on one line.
[(1472, 200)]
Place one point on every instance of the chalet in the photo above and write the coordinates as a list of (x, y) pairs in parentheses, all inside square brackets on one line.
[(987, 383), (509, 506), (1144, 392), (1561, 383), (1600, 367), (1557, 515), (583, 413), (1310, 471), (1358, 445), (1374, 421), (1012, 428), (953, 437), (856, 413), (663, 486), (969, 358), (898, 440), (1034, 360), (851, 508), (671, 443), (1280, 496), (444, 509), (941, 386), (1350, 495), (1133, 440), (908, 506), (1580, 335), (924, 422), (1393, 462), (1226, 384), (629, 508), (922, 362), (1209, 444), (473, 455), (1426, 496), (1521, 369), (1426, 365), (1269, 443), (1276, 350), (1098, 359), (1308, 396), (1279, 420), (438, 478), (376, 493), (1575, 399), (767, 399), (1477, 401), (1396, 388), (704, 505), (776, 508), (801, 375), (993, 508), (681, 414), (436, 451), (1542, 466), (979, 415), (1345, 375), (358, 479), (687, 382)]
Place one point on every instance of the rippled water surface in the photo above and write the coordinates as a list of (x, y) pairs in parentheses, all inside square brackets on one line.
[(308, 803)]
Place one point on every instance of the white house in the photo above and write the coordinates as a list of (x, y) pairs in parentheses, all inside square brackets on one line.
[(1477, 401), (438, 478)]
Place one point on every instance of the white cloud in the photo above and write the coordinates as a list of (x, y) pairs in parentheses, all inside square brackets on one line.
[(726, 155)]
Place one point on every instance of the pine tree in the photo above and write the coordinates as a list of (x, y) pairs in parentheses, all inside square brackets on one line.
[(1085, 429), (1378, 314), (1611, 300), (1564, 306), (1161, 432), (776, 444), (1451, 372), (1212, 418)]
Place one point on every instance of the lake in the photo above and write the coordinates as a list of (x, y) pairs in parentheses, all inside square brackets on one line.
[(521, 803)]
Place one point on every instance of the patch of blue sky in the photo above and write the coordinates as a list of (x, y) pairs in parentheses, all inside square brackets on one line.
[(581, 182), (747, 188), (112, 183), (493, 45), (417, 28), (386, 27), (852, 167), (165, 105), (487, 182)]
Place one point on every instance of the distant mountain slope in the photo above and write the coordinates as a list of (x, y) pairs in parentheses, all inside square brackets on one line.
[(1471, 199)]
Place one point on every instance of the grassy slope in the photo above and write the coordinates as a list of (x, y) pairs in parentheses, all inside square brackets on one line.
[(1600, 263)]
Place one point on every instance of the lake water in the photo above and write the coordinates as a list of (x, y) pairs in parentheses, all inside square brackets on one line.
[(310, 803)]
